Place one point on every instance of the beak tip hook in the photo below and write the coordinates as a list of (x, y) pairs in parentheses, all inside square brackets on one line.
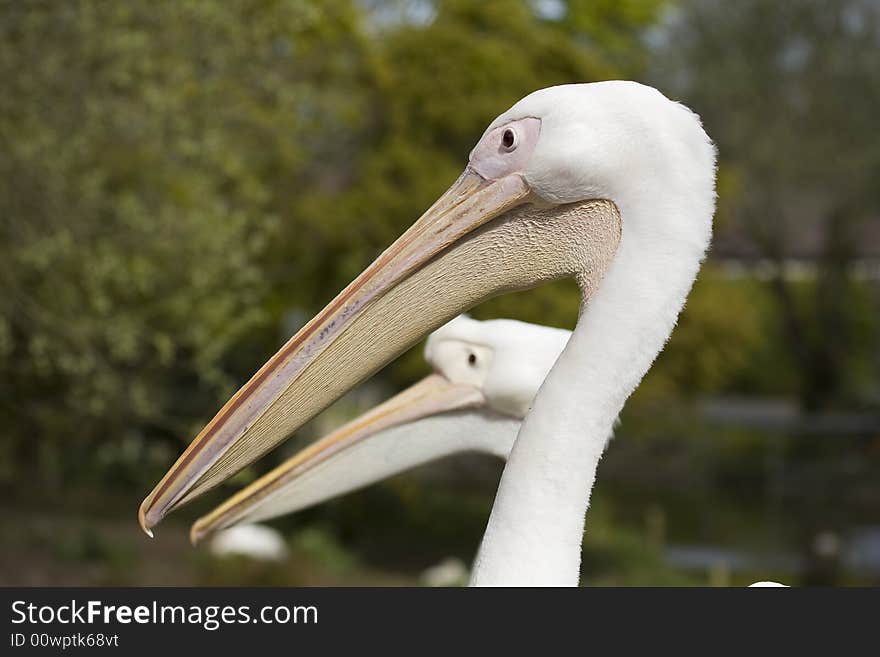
[(196, 534), (142, 519)]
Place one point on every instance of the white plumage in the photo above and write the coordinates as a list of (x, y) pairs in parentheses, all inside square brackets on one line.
[(768, 585), (650, 156), (256, 542)]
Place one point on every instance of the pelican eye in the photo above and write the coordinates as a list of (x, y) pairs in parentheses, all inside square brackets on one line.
[(472, 359), (508, 139)]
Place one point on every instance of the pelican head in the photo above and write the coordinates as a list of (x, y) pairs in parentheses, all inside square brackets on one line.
[(541, 198), (485, 376), (504, 360)]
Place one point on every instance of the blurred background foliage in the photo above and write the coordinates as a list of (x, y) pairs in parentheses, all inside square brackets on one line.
[(183, 184)]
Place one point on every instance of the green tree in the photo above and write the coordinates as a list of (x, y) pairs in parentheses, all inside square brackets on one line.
[(146, 152)]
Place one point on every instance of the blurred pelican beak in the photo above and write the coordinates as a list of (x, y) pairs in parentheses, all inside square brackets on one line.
[(346, 459), (395, 302)]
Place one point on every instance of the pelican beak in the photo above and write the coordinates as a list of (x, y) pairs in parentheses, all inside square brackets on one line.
[(411, 289), (361, 452)]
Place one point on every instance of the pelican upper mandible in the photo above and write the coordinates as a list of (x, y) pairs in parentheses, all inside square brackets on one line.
[(610, 183), (485, 376)]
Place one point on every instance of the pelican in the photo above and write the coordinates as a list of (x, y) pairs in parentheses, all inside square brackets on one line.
[(485, 375), (610, 183)]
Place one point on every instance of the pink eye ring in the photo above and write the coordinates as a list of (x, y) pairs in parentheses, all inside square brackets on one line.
[(506, 149)]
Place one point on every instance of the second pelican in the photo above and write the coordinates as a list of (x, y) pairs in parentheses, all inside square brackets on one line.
[(486, 375)]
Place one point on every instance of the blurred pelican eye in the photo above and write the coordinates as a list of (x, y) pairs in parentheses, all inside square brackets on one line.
[(472, 359), (508, 139)]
